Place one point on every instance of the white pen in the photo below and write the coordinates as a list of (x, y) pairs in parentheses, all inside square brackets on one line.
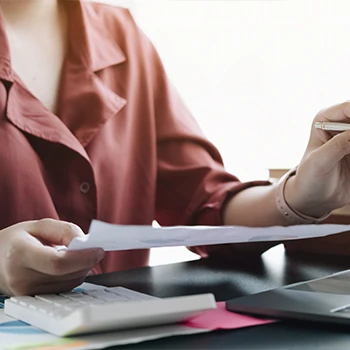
[(332, 126)]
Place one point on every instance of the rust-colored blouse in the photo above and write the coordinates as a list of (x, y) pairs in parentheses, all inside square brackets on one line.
[(122, 148)]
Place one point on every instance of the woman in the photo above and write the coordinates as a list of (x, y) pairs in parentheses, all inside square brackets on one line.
[(90, 128)]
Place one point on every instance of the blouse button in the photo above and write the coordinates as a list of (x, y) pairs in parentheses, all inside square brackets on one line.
[(85, 187)]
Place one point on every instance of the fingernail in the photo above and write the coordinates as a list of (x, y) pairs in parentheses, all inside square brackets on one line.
[(100, 254)]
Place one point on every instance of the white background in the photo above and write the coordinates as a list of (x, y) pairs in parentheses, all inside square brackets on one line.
[(253, 73)]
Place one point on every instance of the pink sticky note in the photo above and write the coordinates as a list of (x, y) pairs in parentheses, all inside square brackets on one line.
[(220, 318)]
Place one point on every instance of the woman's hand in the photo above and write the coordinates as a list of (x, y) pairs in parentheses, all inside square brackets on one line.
[(322, 182), (31, 264)]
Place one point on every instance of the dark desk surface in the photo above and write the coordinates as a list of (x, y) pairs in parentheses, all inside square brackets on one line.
[(232, 280)]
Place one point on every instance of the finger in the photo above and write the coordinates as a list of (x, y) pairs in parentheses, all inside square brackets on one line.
[(41, 278), (202, 251), (31, 280), (329, 154), (54, 287), (336, 113), (49, 261), (54, 231)]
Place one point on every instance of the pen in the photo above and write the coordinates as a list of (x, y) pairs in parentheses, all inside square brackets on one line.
[(332, 126)]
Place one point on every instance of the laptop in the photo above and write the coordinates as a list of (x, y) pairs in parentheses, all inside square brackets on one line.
[(324, 299)]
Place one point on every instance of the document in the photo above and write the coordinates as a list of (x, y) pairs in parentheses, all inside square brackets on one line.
[(120, 237)]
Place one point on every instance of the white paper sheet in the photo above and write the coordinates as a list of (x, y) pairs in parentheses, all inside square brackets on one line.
[(119, 237), (26, 337)]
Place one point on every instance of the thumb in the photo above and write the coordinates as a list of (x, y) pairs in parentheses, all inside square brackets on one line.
[(53, 231), (334, 150)]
